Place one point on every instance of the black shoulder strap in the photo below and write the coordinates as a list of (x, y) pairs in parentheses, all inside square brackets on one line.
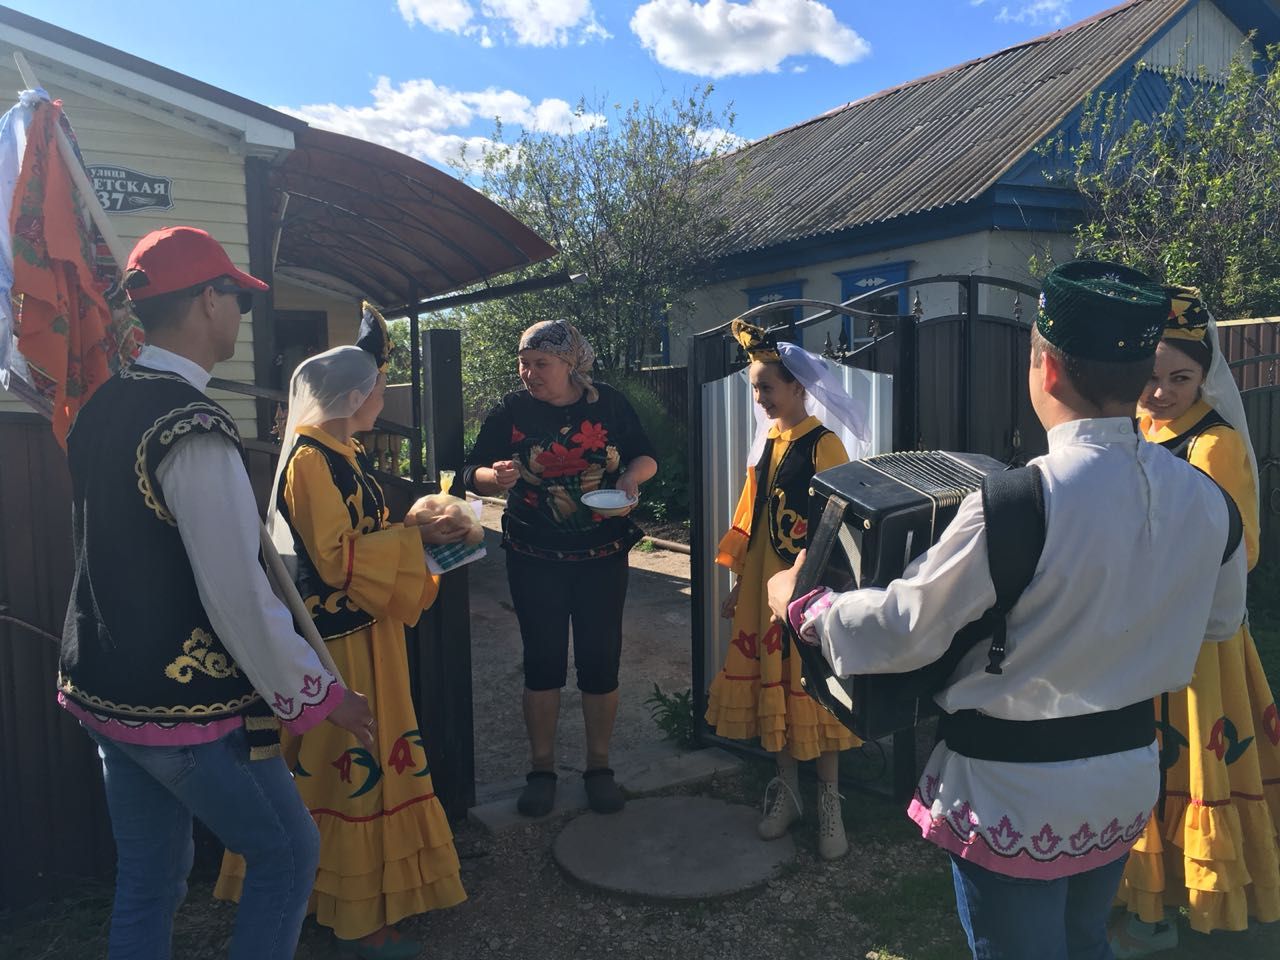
[(1180, 446), (1013, 511), (1013, 514)]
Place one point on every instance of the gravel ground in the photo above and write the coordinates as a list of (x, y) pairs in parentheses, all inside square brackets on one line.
[(521, 906), (890, 899)]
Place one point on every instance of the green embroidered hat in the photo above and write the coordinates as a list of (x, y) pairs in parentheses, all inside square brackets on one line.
[(1097, 310)]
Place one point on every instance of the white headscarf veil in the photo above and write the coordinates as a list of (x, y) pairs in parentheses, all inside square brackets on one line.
[(1221, 393), (825, 394), (325, 387)]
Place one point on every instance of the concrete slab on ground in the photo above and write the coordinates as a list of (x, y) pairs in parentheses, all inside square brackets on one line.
[(672, 848), (646, 770)]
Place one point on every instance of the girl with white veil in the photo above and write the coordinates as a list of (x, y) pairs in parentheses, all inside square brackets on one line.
[(757, 693), (1211, 846), (386, 850)]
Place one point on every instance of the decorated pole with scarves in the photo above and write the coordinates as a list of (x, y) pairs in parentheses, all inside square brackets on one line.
[(72, 328)]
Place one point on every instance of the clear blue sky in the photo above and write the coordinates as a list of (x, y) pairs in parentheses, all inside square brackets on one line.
[(450, 65)]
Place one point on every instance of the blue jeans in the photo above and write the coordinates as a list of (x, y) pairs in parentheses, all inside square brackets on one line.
[(1006, 918), (251, 806)]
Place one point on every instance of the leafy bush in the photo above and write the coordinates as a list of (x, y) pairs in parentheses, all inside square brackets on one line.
[(666, 496), (673, 713)]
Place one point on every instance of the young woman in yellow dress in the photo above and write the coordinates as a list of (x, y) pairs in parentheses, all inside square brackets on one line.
[(386, 850), (1212, 845), (757, 693)]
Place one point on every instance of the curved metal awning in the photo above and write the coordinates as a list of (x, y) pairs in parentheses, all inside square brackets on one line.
[(390, 225)]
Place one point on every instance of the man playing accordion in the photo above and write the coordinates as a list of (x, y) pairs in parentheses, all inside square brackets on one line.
[(1045, 773)]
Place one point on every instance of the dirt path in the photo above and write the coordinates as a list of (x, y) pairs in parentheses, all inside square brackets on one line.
[(655, 649)]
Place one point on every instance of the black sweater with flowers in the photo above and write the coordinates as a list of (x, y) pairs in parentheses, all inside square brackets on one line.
[(562, 453)]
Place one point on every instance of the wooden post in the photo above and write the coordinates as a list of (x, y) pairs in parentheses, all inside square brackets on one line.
[(905, 432), (707, 362), (968, 336), (440, 647), (257, 191), (415, 388)]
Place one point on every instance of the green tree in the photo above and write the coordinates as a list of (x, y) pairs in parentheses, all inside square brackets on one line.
[(627, 197), (1192, 195)]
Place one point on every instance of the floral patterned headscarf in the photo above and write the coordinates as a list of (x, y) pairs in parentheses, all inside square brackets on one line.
[(560, 338)]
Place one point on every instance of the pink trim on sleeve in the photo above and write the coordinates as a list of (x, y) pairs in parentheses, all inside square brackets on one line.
[(313, 713), (805, 611)]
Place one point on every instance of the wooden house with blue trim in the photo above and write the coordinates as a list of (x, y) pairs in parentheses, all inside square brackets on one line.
[(944, 175)]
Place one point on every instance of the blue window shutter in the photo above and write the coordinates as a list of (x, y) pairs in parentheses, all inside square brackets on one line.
[(790, 290), (866, 279)]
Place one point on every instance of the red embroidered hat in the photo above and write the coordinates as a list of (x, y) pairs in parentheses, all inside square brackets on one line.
[(177, 258)]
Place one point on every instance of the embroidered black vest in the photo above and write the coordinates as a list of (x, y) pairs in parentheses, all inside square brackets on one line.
[(333, 610), (137, 644), (1180, 446), (786, 501)]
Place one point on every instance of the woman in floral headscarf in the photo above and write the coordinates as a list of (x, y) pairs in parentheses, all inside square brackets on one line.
[(1211, 846), (544, 447)]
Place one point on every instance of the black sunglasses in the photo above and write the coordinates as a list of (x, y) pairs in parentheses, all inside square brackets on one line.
[(244, 298)]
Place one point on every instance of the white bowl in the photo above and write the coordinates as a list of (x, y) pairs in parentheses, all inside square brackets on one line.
[(608, 503)]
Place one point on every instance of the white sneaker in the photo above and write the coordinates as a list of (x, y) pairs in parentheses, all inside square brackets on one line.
[(781, 809), (832, 843)]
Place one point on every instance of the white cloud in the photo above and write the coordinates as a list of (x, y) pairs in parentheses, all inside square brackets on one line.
[(452, 15), (1055, 12), (435, 123), (717, 38), (534, 23), (717, 139)]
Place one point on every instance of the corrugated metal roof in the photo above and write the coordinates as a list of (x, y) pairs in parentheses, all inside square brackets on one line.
[(931, 143)]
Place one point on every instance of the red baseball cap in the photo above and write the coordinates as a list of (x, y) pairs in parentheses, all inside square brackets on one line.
[(177, 258)]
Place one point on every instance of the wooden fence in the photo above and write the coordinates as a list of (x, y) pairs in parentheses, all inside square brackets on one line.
[(1253, 351), (671, 384), (53, 814)]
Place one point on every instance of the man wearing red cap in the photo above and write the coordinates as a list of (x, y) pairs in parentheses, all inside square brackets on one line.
[(177, 658)]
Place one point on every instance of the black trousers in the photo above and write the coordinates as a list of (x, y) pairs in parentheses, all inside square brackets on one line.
[(548, 595)]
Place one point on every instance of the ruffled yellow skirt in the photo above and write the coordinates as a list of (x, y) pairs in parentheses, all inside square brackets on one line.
[(1215, 850), (386, 850), (757, 692)]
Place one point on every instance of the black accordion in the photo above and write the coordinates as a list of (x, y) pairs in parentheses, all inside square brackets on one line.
[(868, 519)]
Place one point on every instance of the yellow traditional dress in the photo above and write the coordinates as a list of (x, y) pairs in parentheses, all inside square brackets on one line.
[(757, 692), (1215, 850), (386, 850)]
